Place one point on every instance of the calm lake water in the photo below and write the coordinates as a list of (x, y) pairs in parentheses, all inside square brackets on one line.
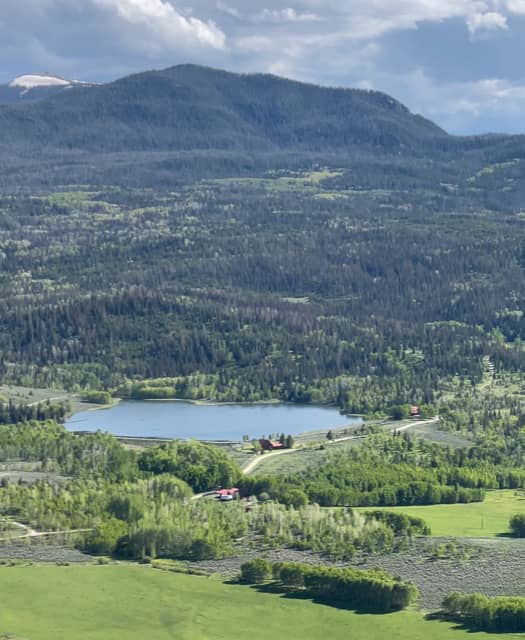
[(207, 422)]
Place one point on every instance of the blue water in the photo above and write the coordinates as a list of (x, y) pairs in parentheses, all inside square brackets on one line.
[(173, 419)]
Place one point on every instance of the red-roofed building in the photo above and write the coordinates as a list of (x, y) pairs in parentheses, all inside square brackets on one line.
[(269, 445), (227, 494)]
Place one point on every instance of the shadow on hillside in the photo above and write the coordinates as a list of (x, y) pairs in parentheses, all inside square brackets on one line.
[(298, 594), (461, 626)]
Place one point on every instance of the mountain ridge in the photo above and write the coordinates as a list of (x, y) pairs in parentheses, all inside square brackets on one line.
[(190, 107), (188, 122)]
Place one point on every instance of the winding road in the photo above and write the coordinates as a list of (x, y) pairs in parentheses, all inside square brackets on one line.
[(250, 466)]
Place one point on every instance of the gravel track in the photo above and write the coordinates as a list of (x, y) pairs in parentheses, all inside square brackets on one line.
[(36, 550)]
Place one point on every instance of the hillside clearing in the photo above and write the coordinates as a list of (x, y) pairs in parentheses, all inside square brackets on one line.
[(485, 519)]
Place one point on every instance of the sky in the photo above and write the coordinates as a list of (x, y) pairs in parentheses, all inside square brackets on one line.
[(457, 62)]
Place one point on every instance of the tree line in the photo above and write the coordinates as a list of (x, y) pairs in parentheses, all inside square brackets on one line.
[(13, 413), (501, 614), (364, 590)]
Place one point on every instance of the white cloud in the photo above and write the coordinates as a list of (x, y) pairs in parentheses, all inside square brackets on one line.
[(368, 19), (358, 19), (254, 44), (99, 40), (284, 15), (515, 6), (161, 19), (489, 21), (232, 11), (460, 107)]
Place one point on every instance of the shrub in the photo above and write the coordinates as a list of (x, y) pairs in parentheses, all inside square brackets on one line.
[(202, 550), (256, 571), (477, 611), (401, 523), (292, 575), (295, 497), (371, 590), (399, 411), (96, 397), (517, 525), (104, 539)]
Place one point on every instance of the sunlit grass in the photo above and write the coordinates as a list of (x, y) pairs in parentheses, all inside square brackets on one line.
[(134, 603), (475, 520)]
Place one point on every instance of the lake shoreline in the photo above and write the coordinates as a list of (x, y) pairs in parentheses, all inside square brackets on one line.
[(178, 418), (221, 403), (210, 403)]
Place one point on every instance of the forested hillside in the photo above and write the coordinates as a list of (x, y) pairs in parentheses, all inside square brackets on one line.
[(163, 128), (296, 287), (381, 266), (189, 107)]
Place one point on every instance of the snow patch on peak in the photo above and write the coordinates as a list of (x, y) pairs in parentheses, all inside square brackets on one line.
[(31, 81)]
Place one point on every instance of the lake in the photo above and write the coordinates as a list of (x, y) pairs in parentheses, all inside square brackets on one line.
[(173, 419)]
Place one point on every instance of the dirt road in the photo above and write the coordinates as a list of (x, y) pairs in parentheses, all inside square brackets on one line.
[(32, 533), (248, 468)]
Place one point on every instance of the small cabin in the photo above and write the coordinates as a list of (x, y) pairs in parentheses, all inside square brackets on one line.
[(414, 411), (269, 445)]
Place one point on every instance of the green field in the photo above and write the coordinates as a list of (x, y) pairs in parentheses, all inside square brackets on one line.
[(475, 520), (128, 603)]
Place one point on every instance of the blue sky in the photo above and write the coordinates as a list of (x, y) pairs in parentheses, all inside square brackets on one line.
[(458, 62)]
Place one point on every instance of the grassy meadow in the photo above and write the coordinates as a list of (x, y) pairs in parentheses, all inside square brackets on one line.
[(485, 519), (132, 603)]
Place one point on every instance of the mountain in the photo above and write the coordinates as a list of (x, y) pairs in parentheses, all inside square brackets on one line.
[(161, 128), (34, 87), (189, 107)]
